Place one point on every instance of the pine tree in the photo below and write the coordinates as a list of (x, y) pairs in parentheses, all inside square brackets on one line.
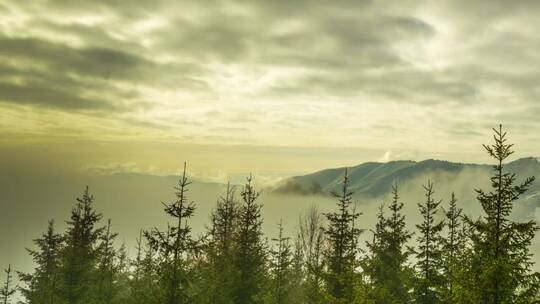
[(341, 254), (7, 291), (41, 285), (389, 276), (502, 261), (250, 258), (312, 241), (79, 256), (429, 255), (281, 269), (175, 245)]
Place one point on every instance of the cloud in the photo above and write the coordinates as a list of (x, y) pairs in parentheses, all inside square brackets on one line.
[(278, 70), (386, 157)]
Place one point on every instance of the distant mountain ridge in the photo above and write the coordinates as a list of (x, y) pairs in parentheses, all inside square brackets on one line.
[(375, 179)]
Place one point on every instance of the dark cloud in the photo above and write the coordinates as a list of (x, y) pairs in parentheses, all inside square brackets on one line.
[(35, 94), (86, 62)]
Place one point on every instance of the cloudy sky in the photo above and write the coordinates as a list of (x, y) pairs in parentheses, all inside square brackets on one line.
[(275, 87)]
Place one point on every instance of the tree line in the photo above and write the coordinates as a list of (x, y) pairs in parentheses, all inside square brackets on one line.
[(456, 259)]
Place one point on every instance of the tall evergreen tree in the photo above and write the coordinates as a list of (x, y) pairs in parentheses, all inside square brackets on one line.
[(8, 290), (221, 273), (298, 278), (108, 270), (281, 259), (312, 245), (122, 275), (251, 257), (429, 256), (41, 285), (452, 250), (143, 287), (502, 261), (386, 267), (175, 245), (79, 256), (341, 254)]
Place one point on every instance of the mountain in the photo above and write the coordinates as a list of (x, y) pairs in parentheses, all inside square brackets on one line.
[(375, 179)]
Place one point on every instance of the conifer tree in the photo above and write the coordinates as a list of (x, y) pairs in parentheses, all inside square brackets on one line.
[(121, 275), (143, 287), (389, 276), (341, 254), (41, 285), (502, 261), (452, 250), (79, 256), (251, 255), (222, 276), (429, 256), (281, 268), (312, 240), (297, 279), (175, 245), (7, 291), (108, 271)]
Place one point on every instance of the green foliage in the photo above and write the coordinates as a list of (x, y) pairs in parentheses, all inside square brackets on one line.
[(143, 285), (454, 251), (251, 256), (80, 253), (174, 247), (501, 260), (219, 274), (486, 260), (281, 269), (311, 244), (7, 291), (341, 253), (429, 266), (389, 276), (41, 285)]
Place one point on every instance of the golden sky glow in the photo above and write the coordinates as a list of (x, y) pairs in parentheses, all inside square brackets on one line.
[(276, 87)]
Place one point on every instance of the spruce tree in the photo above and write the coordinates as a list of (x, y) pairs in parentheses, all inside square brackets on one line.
[(389, 276), (452, 250), (341, 254), (41, 285), (122, 276), (108, 271), (143, 287), (220, 271), (8, 290), (281, 268), (175, 246), (79, 256), (502, 261), (429, 255), (298, 278), (251, 255)]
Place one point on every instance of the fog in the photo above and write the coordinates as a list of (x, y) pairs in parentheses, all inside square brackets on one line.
[(133, 202)]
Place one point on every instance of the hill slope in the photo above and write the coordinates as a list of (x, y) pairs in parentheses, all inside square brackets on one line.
[(376, 179)]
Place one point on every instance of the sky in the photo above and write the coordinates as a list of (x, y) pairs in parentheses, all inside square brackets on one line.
[(272, 87)]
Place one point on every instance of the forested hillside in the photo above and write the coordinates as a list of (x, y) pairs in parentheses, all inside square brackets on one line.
[(376, 179)]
